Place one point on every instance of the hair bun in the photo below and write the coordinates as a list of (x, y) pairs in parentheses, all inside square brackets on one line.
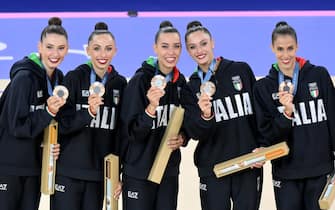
[(165, 24), (281, 23), (55, 21), (101, 26), (193, 24)]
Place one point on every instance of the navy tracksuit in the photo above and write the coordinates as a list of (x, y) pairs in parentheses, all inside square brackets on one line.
[(299, 177), (231, 132), (22, 121), (85, 140), (142, 137)]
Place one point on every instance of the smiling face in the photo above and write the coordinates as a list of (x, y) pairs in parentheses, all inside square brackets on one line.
[(168, 50), (101, 49), (200, 47), (285, 48), (52, 50)]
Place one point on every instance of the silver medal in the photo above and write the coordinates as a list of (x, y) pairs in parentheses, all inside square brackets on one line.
[(61, 91), (158, 81), (97, 88), (208, 88), (286, 86)]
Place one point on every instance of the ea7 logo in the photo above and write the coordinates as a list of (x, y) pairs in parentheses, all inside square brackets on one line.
[(85, 93), (276, 183), (203, 187), (3, 187), (60, 188), (133, 195), (39, 94)]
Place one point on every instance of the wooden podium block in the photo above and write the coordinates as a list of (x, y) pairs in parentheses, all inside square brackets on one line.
[(327, 196), (245, 161), (111, 181), (48, 161), (164, 152)]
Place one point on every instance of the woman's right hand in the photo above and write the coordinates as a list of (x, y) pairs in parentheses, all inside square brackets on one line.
[(94, 101), (54, 103), (205, 104), (118, 190), (286, 99), (154, 94)]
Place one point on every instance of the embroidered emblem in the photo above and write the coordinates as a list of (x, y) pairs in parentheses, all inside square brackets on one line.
[(313, 89), (237, 83)]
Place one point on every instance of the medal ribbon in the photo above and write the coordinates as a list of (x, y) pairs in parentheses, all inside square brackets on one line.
[(50, 88), (168, 77), (93, 77), (294, 79), (208, 74)]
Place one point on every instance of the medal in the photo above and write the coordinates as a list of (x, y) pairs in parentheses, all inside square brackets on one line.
[(61, 91), (158, 81), (208, 88), (286, 86), (97, 88)]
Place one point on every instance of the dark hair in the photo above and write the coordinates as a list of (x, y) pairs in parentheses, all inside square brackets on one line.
[(195, 26), (100, 28), (283, 28), (54, 27), (165, 27)]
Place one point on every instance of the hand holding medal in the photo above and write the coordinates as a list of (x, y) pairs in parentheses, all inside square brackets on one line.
[(286, 90), (156, 91), (97, 90), (207, 89)]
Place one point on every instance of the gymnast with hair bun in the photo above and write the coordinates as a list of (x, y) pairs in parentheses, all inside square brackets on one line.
[(27, 107), (89, 126), (220, 101), (152, 94), (295, 102)]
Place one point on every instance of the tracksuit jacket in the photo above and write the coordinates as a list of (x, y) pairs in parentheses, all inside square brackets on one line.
[(232, 131), (24, 117), (86, 140), (310, 135), (142, 134)]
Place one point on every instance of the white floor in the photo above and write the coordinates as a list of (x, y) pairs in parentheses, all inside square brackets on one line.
[(189, 192)]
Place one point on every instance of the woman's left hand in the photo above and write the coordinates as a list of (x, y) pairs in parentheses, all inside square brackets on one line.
[(118, 191), (56, 151), (175, 142), (258, 164)]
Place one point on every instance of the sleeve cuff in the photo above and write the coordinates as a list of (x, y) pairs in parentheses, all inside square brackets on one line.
[(288, 117), (89, 111), (207, 118), (150, 115), (50, 113)]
